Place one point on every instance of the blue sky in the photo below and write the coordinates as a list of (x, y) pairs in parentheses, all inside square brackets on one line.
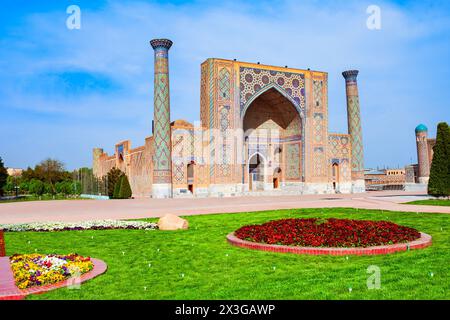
[(66, 91)]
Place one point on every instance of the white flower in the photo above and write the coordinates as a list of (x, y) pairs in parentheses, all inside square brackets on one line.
[(85, 225)]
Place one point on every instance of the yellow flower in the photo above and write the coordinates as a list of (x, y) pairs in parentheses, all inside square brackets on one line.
[(35, 269)]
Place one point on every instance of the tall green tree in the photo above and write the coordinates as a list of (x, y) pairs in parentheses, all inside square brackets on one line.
[(125, 188), (51, 171), (86, 177), (11, 182), (65, 187), (24, 186), (3, 176), (76, 187), (116, 193), (439, 183), (36, 187), (28, 175), (112, 177)]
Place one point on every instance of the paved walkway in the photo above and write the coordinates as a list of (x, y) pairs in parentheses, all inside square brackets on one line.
[(74, 210), (7, 283)]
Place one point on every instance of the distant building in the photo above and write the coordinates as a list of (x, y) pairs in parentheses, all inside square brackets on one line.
[(412, 173), (417, 175), (413, 177), (14, 171), (385, 179), (263, 129)]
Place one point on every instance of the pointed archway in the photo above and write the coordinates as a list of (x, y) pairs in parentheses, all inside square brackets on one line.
[(276, 177), (256, 172), (335, 176), (190, 176), (273, 127), (271, 88)]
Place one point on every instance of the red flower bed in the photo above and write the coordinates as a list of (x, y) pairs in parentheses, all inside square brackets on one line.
[(314, 232)]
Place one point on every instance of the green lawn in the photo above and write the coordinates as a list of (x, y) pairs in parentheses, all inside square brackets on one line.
[(432, 202), (213, 269)]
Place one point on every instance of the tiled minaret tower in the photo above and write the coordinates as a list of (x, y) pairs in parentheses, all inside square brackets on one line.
[(162, 161), (354, 130), (422, 153)]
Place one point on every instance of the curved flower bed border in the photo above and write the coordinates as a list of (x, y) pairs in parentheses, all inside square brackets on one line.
[(332, 232), (79, 226), (36, 269), (100, 267), (424, 241)]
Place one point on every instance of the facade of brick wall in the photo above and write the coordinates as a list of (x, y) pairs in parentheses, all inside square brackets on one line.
[(261, 128)]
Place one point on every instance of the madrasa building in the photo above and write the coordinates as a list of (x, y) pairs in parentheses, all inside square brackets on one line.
[(263, 130)]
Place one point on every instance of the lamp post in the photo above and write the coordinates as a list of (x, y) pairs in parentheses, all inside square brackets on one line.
[(16, 187)]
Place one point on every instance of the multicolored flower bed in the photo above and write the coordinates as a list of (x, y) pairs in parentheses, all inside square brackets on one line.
[(85, 225), (32, 270), (314, 232)]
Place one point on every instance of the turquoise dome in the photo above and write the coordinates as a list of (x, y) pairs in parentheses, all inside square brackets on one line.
[(421, 128)]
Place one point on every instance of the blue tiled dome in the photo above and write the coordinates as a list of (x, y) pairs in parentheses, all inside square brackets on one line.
[(421, 128)]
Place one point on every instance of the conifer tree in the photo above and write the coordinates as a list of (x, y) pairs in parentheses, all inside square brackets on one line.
[(112, 178), (116, 194), (125, 188), (3, 176), (439, 183)]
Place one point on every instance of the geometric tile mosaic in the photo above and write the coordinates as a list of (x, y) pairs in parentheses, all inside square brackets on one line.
[(254, 80)]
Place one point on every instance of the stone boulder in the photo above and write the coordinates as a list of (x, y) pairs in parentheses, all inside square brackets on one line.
[(172, 222)]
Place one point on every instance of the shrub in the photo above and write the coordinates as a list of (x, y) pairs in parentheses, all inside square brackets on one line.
[(112, 178), (439, 183), (125, 188), (48, 188), (3, 176), (66, 187), (24, 186), (36, 187), (59, 187), (76, 187), (116, 193), (10, 184)]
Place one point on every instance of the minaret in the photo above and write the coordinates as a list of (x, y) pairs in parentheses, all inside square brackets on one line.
[(354, 130), (162, 160), (422, 153)]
